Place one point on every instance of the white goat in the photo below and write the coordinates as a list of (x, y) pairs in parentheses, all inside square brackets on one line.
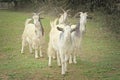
[(63, 17), (60, 42), (78, 35), (62, 20), (33, 35)]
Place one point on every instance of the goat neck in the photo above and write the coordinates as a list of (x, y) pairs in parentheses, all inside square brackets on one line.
[(65, 37), (38, 28)]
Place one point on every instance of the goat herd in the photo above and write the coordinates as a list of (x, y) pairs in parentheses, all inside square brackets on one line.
[(64, 39)]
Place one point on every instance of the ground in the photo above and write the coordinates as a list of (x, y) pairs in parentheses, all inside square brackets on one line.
[(99, 58)]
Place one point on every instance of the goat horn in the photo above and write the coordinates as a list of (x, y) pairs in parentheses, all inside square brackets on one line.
[(68, 10), (76, 14), (62, 9), (40, 12)]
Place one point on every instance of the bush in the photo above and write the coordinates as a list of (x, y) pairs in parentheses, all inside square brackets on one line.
[(113, 23)]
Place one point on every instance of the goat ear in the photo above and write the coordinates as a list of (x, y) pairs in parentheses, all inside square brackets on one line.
[(81, 12), (34, 13), (60, 29), (73, 30)]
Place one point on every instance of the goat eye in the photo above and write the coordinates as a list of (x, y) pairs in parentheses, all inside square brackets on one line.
[(35, 32)]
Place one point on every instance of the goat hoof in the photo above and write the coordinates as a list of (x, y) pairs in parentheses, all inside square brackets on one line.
[(54, 58), (22, 52), (63, 74), (75, 62), (59, 65), (70, 62), (49, 65), (41, 56), (36, 57)]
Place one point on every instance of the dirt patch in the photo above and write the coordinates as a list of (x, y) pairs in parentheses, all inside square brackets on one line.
[(92, 57), (3, 77), (2, 55)]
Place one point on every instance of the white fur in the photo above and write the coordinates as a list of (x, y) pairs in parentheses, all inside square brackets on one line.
[(32, 35), (78, 38), (60, 42), (63, 17)]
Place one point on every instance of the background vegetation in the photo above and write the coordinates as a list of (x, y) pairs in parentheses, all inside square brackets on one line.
[(100, 53), (110, 8)]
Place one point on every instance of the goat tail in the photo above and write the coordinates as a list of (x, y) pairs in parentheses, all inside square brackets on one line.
[(53, 23), (27, 21)]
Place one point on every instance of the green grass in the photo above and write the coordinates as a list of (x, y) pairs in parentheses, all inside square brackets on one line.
[(99, 58)]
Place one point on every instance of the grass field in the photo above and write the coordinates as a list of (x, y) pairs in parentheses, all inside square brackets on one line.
[(99, 58)]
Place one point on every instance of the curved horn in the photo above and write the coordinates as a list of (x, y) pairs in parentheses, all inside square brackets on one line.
[(62, 9), (76, 14), (68, 10), (40, 12)]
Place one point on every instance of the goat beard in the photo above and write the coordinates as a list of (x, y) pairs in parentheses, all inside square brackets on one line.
[(68, 43)]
